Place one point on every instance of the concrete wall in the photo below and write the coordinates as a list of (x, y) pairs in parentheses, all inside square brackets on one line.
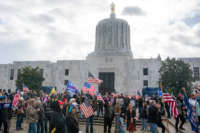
[(128, 72)]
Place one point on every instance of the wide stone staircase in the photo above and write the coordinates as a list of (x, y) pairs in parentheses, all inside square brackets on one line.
[(99, 121)]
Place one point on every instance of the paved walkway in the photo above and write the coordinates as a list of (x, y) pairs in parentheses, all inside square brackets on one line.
[(186, 126), (97, 129)]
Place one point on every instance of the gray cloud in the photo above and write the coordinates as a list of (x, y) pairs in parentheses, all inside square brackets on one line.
[(186, 40), (42, 19), (133, 10), (15, 50)]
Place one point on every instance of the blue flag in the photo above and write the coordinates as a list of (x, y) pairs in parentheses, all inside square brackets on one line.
[(191, 115), (72, 89), (159, 93)]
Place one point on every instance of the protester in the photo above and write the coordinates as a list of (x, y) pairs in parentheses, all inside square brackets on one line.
[(117, 111), (72, 119), (108, 116), (89, 120), (20, 114), (32, 116), (123, 124), (152, 116), (143, 116), (100, 108), (182, 113), (42, 121), (58, 121), (3, 113), (159, 118), (130, 116)]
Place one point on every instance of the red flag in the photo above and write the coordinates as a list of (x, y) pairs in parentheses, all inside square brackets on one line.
[(16, 100)]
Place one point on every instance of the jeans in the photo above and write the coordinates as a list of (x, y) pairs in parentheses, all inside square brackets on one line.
[(181, 117), (100, 110), (89, 122), (161, 125), (42, 126), (153, 127), (144, 124), (19, 121), (107, 125), (32, 128), (5, 125)]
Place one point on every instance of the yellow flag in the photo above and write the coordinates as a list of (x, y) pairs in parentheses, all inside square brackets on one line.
[(52, 91), (53, 131)]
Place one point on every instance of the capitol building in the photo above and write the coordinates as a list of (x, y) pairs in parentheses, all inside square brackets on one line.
[(111, 61)]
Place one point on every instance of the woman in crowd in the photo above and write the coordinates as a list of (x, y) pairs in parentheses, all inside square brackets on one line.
[(32, 116), (20, 114), (117, 111), (130, 116)]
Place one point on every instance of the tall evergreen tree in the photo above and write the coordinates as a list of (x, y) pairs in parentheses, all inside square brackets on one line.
[(175, 74), (31, 77)]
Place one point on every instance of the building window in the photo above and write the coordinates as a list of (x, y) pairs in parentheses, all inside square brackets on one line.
[(196, 73), (65, 82), (145, 71), (11, 74), (145, 83), (66, 72)]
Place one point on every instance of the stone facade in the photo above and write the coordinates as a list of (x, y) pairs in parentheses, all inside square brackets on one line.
[(112, 54)]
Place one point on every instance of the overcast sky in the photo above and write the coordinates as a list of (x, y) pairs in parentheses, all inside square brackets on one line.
[(65, 29)]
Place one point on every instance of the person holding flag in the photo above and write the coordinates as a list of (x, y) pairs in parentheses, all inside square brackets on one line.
[(88, 112), (191, 114)]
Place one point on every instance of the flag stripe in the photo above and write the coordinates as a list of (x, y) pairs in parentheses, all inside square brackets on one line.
[(87, 111), (167, 98)]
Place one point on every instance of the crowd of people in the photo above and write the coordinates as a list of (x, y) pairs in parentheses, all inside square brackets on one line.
[(61, 113)]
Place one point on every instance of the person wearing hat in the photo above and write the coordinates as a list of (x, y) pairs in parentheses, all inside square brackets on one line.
[(58, 121), (72, 118)]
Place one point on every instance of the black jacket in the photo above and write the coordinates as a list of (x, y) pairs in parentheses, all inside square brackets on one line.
[(58, 121), (153, 114), (130, 115), (143, 113)]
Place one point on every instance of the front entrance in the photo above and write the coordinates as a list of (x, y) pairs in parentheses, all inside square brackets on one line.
[(108, 82)]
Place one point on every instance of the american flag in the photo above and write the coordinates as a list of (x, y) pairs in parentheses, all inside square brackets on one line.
[(25, 88), (167, 98), (87, 110), (99, 97), (16, 100), (92, 79)]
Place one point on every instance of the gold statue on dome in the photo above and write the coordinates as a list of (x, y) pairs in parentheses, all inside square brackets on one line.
[(113, 8)]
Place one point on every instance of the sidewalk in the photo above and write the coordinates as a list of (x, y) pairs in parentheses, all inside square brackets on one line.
[(186, 126)]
